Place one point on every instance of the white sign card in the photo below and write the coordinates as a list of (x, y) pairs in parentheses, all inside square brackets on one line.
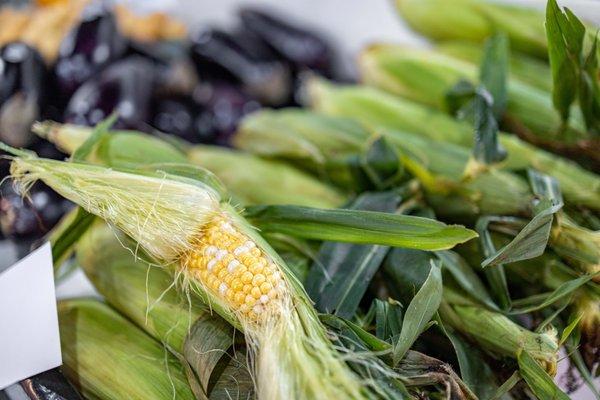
[(29, 336)]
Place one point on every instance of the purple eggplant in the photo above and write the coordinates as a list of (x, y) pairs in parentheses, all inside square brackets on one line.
[(302, 48), (219, 56), (88, 48), (126, 87), (224, 106), (211, 115), (32, 216), (23, 91), (177, 115)]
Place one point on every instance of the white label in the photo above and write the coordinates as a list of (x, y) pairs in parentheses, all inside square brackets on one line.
[(29, 337)]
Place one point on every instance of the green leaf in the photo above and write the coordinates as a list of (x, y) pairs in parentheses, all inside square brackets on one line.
[(381, 164), (459, 96), (419, 312), (487, 149), (97, 135), (360, 227), (476, 104), (372, 366), (388, 319), (65, 235), (589, 90), (494, 72), (538, 380), (474, 371), (495, 276), (559, 293), (207, 343), (531, 241), (506, 387), (16, 152), (545, 187), (466, 277), (406, 270), (569, 329), (565, 34), (342, 272)]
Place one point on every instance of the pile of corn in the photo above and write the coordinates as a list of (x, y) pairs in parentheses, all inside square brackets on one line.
[(319, 258)]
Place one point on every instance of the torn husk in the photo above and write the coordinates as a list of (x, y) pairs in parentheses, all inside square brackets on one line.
[(222, 259)]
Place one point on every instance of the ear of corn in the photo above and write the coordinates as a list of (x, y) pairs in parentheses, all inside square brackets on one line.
[(257, 181), (119, 149), (527, 69), (212, 249), (252, 180), (94, 337), (498, 334), (426, 76), (273, 134), (476, 20), (377, 109)]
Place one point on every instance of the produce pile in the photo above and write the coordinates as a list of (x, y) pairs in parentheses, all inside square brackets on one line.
[(433, 232), (77, 61)]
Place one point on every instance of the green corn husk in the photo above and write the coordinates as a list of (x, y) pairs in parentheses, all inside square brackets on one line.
[(475, 21), (106, 357), (380, 110), (314, 140), (251, 180), (257, 181), (121, 148), (521, 67), (580, 246), (426, 76), (143, 293), (498, 334)]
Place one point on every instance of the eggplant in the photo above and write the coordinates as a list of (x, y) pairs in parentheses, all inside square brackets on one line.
[(49, 385), (176, 74), (30, 217), (88, 48), (23, 92), (218, 56), (223, 105), (300, 47), (178, 115), (210, 116), (126, 86)]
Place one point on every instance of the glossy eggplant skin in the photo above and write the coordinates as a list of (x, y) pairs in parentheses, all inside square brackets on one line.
[(22, 69), (223, 107), (210, 115), (302, 48), (219, 56), (23, 92), (31, 217), (49, 385), (88, 48), (126, 87)]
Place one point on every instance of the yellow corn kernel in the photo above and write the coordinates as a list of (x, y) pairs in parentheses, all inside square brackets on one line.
[(233, 269)]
